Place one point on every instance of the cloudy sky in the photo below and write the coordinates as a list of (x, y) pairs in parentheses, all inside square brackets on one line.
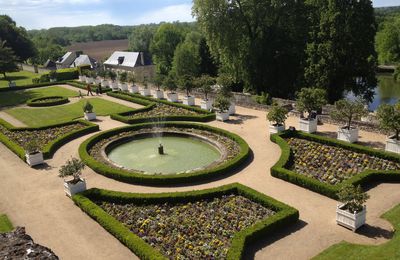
[(36, 14)]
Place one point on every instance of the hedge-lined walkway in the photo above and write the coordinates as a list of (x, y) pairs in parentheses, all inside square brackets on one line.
[(35, 199)]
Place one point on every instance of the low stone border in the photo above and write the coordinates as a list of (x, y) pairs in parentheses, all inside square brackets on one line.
[(47, 101)]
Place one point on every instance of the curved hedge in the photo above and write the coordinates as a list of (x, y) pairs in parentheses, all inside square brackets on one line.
[(41, 102), (279, 170), (132, 177), (150, 103), (284, 216), (49, 150)]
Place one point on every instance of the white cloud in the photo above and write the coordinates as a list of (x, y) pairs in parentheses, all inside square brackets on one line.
[(170, 13)]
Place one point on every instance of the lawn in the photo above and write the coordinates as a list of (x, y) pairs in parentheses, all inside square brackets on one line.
[(5, 224), (389, 250), (13, 98), (21, 78), (60, 114)]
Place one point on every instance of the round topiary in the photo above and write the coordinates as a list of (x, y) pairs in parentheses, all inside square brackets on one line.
[(47, 101)]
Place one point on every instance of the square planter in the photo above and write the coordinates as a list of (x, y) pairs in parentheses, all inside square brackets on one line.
[(206, 104), (114, 86), (89, 80), (308, 126), (188, 100), (145, 92), (274, 129), (350, 220), (105, 83), (90, 116), (392, 145), (348, 135), (158, 94), (222, 116), (232, 109), (123, 87), (172, 97), (82, 78), (34, 158), (133, 89), (71, 188)]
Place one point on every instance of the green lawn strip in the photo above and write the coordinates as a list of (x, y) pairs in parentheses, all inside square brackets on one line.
[(21, 78), (5, 224), (60, 114), (389, 250), (13, 98)]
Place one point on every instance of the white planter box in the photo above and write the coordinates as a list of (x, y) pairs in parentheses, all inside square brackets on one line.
[(97, 81), (90, 116), (145, 92), (71, 189), (350, 220), (274, 129), (34, 159), (222, 116), (82, 78), (348, 135), (172, 97), (188, 100), (158, 94), (89, 80), (105, 83), (308, 126), (123, 87), (133, 89), (392, 145), (206, 104), (232, 109), (114, 86)]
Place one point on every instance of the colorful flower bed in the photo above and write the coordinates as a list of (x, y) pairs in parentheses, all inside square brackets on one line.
[(173, 229), (330, 164), (162, 110)]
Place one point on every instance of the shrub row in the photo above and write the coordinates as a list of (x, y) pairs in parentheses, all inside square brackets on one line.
[(52, 147), (149, 103), (81, 85), (37, 85), (41, 102), (285, 215), (132, 177), (279, 170), (61, 75)]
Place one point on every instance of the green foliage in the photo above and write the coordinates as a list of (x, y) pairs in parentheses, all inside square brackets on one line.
[(123, 76), (204, 83), (141, 37), (347, 110), (389, 118), (186, 61), (5, 224), (264, 99), (32, 147), (222, 103), (388, 41), (352, 197), (72, 167), (61, 75), (82, 70), (88, 107), (47, 48), (169, 83), (396, 74), (53, 74), (186, 83), (47, 101), (277, 114), (131, 78), (310, 99), (7, 59), (111, 75)]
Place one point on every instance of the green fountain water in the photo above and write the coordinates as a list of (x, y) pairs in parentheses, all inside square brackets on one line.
[(181, 154)]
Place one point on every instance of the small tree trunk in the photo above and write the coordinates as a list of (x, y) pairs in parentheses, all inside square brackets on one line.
[(5, 76)]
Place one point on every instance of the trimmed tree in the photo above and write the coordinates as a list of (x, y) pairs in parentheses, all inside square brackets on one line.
[(222, 103), (123, 76), (352, 197), (310, 99), (169, 83), (278, 115), (186, 84), (347, 110), (204, 84), (7, 60), (389, 118)]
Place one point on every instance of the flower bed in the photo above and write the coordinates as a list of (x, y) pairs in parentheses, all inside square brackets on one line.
[(238, 151), (159, 226), (162, 110), (47, 101)]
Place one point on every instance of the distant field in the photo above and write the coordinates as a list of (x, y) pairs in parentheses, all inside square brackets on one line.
[(100, 50)]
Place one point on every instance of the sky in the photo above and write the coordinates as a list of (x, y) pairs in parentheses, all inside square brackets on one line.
[(38, 14)]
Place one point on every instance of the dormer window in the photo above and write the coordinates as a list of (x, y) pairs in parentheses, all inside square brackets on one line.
[(121, 60)]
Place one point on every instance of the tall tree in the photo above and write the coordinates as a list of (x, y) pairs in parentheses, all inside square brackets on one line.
[(340, 51), (7, 59), (141, 37), (259, 42), (388, 41), (187, 58)]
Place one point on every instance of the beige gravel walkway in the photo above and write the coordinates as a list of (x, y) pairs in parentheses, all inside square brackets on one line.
[(35, 199)]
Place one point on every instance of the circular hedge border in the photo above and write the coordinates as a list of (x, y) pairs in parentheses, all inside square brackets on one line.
[(184, 178), (41, 102)]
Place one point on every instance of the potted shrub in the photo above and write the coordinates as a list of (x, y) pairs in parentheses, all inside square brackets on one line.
[(221, 104), (33, 155), (82, 76), (389, 120), (225, 81), (123, 76), (89, 77), (158, 81), (113, 84), (53, 76), (73, 168), (205, 83), (103, 78), (345, 111), (169, 84), (310, 100), (88, 111), (277, 117), (145, 91), (131, 80), (186, 84), (351, 212)]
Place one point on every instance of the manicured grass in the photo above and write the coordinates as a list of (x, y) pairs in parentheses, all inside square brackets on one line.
[(13, 98), (5, 224), (389, 250), (66, 113), (21, 78)]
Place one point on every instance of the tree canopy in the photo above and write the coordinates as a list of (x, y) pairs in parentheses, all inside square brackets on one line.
[(388, 41), (7, 59)]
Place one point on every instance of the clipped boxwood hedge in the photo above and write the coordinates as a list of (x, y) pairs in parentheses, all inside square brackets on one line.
[(82, 85), (284, 216), (41, 102), (49, 150), (149, 103), (279, 170), (132, 177), (37, 85)]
